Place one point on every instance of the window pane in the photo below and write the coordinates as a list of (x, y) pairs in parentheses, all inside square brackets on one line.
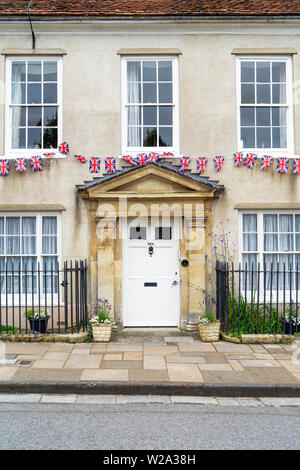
[(270, 223), (278, 72), (286, 223), (165, 115), (263, 72), (50, 71), (247, 94), (165, 136), (279, 139), (286, 242), (134, 115), (279, 116), (248, 137), (263, 94), (149, 137), (49, 226), (297, 223), (34, 138), (134, 137), (34, 72), (13, 225), (250, 242), (149, 93), (49, 245), (29, 245), (28, 226), (247, 117), (297, 238), (18, 138), (247, 71), (1, 245), (18, 72), (1, 225), (270, 242), (12, 245), (263, 117), (18, 93), (50, 116), (149, 71), (50, 93), (50, 138), (163, 233), (165, 93), (279, 94), (165, 71), (34, 116), (34, 93), (18, 116), (263, 137), (134, 93), (133, 71), (137, 233), (249, 223), (150, 115)]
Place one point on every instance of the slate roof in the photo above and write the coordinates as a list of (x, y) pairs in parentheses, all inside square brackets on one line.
[(175, 169), (151, 8)]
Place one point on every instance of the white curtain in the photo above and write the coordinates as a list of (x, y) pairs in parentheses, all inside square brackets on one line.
[(49, 235), (134, 96), (16, 99)]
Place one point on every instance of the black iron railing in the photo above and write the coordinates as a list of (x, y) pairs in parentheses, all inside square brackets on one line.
[(35, 298), (252, 300)]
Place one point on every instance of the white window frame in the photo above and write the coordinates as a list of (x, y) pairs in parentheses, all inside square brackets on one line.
[(289, 150), (43, 298), (175, 71), (26, 153), (260, 246)]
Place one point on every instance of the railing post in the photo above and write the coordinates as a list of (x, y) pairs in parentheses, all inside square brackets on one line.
[(221, 293)]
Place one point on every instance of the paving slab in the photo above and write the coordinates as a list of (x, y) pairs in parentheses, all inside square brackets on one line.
[(7, 372), (227, 377), (98, 348), (184, 373), (159, 350), (113, 357), (245, 401), (141, 375), (54, 355), (121, 364), (119, 375), (124, 347), (20, 398), (80, 352), (186, 359), (48, 364), (292, 366), (179, 339), (91, 361), (58, 398), (143, 399), (97, 399), (61, 347), (215, 358), (271, 375), (222, 346), (133, 356), (236, 365), (227, 401), (272, 401), (196, 400), (47, 375), (260, 363), (196, 346), (213, 367), (154, 362)]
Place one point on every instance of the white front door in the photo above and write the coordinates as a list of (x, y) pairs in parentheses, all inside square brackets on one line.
[(150, 265)]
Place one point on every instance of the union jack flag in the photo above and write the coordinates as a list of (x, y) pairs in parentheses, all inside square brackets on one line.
[(296, 166), (36, 163), (129, 159), (64, 148), (184, 163), (266, 162), (80, 158), (20, 164), (110, 165), (238, 159), (250, 160), (4, 168), (282, 165), (141, 159), (201, 165), (168, 154), (218, 162), (152, 157), (94, 165), (49, 155)]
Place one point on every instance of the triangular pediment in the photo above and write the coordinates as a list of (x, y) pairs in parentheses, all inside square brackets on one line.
[(152, 179)]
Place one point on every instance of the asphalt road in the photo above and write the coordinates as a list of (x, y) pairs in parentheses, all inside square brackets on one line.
[(147, 426)]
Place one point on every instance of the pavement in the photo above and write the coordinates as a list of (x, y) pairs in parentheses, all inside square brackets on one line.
[(139, 363)]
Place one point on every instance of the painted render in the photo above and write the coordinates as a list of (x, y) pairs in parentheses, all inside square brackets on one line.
[(92, 117)]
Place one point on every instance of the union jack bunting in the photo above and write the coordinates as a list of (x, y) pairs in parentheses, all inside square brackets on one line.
[(184, 163), (110, 165), (168, 154), (218, 162), (282, 165), (49, 155), (80, 158), (296, 166), (250, 160), (64, 148), (141, 159), (266, 162), (36, 163), (238, 159), (20, 164), (4, 168), (201, 165), (94, 166), (129, 159), (152, 157)]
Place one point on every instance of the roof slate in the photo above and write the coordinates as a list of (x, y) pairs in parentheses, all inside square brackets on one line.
[(151, 8)]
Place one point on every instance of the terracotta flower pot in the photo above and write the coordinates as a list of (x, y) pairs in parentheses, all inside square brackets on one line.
[(102, 332), (210, 332)]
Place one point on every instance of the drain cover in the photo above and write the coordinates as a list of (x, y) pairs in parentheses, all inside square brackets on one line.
[(25, 363)]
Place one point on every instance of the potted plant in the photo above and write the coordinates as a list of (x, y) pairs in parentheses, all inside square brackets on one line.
[(209, 327), (291, 319), (38, 320), (101, 321)]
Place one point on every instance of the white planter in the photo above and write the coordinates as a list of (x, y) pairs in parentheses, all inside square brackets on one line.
[(102, 333)]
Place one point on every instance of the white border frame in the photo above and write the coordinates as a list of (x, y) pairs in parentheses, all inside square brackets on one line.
[(289, 151), (176, 133), (27, 153)]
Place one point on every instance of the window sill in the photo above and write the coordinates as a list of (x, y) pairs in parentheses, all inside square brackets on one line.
[(28, 154)]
